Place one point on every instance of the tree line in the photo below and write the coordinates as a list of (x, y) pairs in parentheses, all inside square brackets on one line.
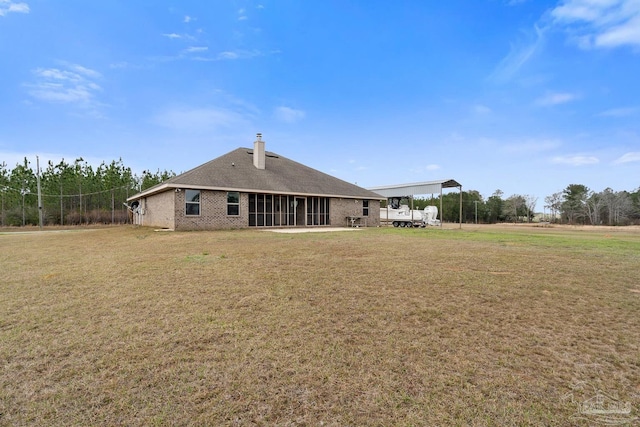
[(72, 193), (576, 204), (77, 193)]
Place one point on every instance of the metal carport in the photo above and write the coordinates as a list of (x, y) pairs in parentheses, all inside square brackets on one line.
[(410, 190)]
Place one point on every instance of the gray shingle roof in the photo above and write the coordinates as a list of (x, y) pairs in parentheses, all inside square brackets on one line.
[(235, 171)]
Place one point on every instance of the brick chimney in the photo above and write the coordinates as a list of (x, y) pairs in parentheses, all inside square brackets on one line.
[(258, 152)]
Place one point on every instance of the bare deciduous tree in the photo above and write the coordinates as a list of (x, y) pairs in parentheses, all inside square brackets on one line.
[(554, 203), (530, 204)]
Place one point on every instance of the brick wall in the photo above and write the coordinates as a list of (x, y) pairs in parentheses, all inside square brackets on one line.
[(167, 210), (342, 208), (158, 210), (213, 212)]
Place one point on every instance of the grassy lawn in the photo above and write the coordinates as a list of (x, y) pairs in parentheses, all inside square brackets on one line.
[(376, 327)]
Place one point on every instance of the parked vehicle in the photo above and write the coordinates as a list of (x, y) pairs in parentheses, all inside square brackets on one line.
[(402, 216)]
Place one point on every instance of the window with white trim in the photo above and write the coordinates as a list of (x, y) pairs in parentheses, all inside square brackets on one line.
[(233, 203), (192, 205)]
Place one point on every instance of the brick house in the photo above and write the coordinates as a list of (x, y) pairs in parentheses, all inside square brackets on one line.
[(254, 188)]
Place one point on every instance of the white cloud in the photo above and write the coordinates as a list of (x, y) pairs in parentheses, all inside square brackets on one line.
[(199, 119), (240, 54), (588, 23), (578, 160), (628, 158), (73, 84), (120, 65), (629, 33), (237, 54), (85, 71), (532, 146), (422, 170), (228, 55), (519, 55), (187, 19), (288, 115), (619, 112), (7, 6), (600, 23), (555, 98), (238, 104), (194, 49), (482, 109), (172, 36), (221, 56)]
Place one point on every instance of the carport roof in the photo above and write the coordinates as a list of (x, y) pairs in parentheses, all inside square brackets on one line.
[(402, 190)]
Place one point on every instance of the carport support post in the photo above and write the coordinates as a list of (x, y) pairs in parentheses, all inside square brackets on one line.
[(441, 213), (411, 197), (387, 211), (461, 206)]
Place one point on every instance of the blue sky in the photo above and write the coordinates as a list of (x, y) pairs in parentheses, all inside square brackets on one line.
[(522, 96)]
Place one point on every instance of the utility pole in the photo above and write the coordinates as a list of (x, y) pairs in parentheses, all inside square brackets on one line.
[(2, 190), (39, 192)]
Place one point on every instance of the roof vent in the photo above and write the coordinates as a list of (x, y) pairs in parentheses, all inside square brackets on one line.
[(258, 152)]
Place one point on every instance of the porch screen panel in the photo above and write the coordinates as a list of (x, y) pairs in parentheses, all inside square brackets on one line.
[(268, 210), (260, 210), (291, 210), (324, 211), (271, 210), (318, 211), (277, 211), (252, 210)]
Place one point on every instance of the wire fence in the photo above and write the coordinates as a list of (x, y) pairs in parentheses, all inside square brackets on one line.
[(108, 206)]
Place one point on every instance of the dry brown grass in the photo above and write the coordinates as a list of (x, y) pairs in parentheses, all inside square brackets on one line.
[(380, 327)]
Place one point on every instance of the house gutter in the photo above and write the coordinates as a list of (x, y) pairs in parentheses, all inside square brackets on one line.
[(166, 187)]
